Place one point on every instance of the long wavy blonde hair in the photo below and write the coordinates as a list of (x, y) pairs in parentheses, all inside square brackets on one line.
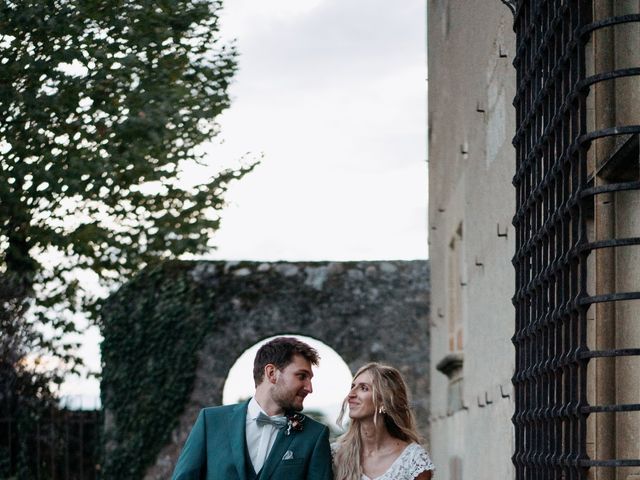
[(390, 392)]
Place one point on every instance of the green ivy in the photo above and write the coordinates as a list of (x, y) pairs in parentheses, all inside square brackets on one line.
[(153, 328)]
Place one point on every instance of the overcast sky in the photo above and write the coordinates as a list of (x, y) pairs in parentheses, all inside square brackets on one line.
[(332, 95)]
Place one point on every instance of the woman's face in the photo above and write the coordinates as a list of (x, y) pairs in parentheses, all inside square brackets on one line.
[(360, 397)]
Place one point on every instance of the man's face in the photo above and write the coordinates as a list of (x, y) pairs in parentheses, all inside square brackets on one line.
[(293, 384)]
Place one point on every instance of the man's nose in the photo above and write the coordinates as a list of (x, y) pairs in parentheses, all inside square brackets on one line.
[(309, 386)]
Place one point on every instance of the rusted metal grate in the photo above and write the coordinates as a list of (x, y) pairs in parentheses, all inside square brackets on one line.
[(555, 195), (59, 445)]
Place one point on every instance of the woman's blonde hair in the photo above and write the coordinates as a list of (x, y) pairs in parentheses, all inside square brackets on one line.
[(391, 402)]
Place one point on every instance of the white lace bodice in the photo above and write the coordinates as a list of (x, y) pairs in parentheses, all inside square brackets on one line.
[(412, 462)]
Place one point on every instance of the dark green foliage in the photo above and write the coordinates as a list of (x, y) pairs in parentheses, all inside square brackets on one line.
[(102, 103), (25, 395), (24, 399), (153, 329)]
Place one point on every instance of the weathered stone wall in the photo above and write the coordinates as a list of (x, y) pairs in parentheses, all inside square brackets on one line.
[(471, 204), (366, 311)]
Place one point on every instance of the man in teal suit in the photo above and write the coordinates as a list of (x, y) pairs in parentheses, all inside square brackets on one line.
[(265, 438)]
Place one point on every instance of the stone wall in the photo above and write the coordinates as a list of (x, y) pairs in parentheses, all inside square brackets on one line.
[(365, 311), (471, 204)]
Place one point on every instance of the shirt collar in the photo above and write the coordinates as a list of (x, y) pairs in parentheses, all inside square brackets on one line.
[(254, 409)]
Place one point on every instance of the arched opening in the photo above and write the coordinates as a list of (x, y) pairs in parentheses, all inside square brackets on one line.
[(331, 380)]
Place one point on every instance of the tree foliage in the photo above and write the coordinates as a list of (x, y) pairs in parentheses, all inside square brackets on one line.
[(102, 104)]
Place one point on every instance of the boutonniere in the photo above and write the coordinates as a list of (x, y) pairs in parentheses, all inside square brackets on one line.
[(294, 423)]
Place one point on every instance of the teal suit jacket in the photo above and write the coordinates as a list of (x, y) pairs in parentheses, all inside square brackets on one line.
[(216, 446)]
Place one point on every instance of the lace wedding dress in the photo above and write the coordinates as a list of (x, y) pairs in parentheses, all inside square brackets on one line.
[(412, 462)]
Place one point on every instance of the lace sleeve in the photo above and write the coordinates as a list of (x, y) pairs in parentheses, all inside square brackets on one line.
[(417, 461), (334, 451)]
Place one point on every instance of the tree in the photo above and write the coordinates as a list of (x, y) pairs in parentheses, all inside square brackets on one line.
[(102, 103)]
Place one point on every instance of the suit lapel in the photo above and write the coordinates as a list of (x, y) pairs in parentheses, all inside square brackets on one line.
[(238, 438), (277, 451)]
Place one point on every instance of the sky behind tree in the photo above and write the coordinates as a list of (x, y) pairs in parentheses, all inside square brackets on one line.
[(331, 94)]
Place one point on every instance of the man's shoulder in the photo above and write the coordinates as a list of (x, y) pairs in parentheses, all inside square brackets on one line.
[(222, 410)]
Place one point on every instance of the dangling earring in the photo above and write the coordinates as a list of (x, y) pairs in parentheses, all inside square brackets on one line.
[(382, 410)]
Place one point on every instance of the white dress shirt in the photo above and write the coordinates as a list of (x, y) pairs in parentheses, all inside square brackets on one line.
[(260, 438)]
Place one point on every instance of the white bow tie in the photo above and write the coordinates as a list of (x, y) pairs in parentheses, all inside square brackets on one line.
[(278, 422)]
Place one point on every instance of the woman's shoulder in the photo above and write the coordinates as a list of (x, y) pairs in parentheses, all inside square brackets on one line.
[(416, 449), (416, 460), (335, 446), (412, 461)]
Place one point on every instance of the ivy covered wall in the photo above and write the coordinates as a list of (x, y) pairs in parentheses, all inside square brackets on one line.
[(153, 328)]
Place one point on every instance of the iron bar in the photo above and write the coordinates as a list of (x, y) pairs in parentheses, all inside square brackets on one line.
[(555, 193), (61, 444), (628, 407)]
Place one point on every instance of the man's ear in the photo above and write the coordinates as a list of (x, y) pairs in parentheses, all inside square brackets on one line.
[(271, 373)]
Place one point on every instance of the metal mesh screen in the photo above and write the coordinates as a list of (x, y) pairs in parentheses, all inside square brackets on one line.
[(555, 194)]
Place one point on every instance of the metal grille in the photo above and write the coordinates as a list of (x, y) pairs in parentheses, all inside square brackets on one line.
[(59, 445), (555, 194)]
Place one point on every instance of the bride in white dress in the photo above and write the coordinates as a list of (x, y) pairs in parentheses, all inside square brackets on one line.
[(381, 442)]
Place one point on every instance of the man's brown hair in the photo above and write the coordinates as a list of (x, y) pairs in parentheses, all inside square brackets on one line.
[(280, 352)]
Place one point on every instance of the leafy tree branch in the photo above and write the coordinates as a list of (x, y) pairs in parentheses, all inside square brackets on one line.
[(102, 104)]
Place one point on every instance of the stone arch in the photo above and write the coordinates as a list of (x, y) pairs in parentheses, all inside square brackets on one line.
[(365, 311)]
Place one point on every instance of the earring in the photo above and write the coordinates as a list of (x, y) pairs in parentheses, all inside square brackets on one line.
[(382, 410)]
